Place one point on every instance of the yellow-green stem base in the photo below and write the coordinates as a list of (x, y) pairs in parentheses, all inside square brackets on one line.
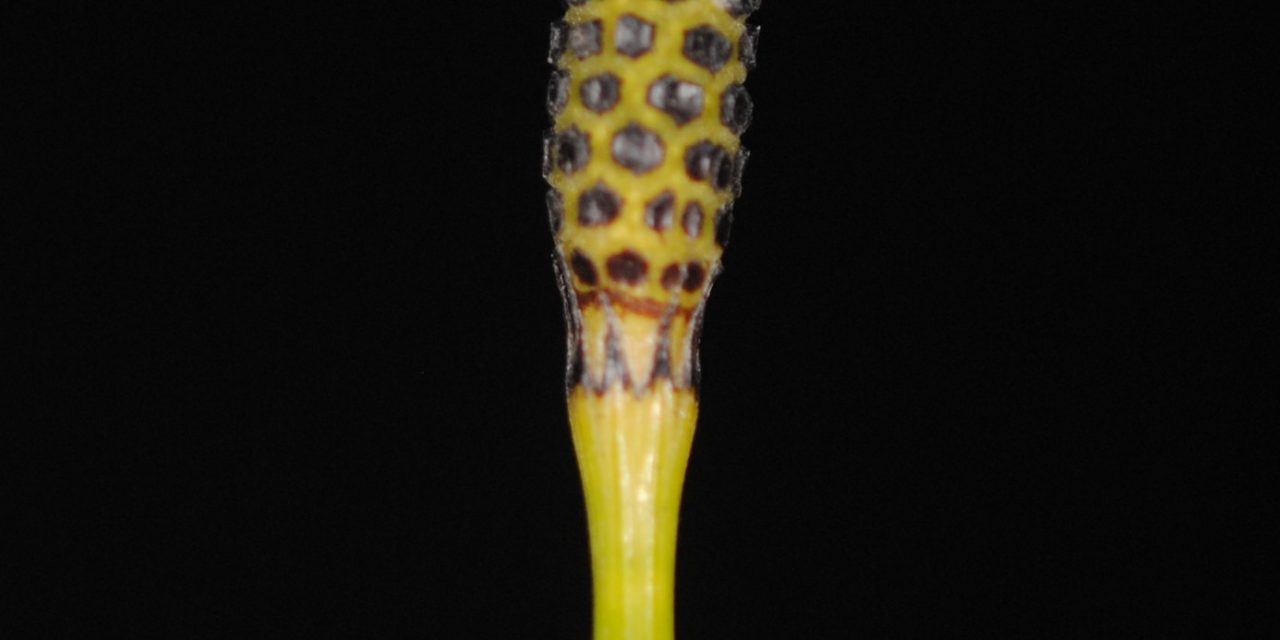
[(632, 452)]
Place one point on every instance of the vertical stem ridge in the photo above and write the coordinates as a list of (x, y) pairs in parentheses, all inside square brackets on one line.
[(633, 451)]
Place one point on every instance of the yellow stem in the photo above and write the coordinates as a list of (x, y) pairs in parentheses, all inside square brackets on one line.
[(632, 453)]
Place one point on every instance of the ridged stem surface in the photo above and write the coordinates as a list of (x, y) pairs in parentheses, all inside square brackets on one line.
[(632, 453)]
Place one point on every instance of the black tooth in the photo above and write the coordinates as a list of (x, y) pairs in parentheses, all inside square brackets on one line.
[(662, 359), (576, 369), (662, 353), (694, 378), (615, 366), (573, 326)]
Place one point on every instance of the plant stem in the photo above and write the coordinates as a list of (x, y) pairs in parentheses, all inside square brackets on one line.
[(632, 453)]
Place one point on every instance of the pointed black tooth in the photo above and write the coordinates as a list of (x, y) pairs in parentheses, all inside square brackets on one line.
[(615, 367)]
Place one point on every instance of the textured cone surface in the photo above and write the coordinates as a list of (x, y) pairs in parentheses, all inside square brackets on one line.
[(644, 161)]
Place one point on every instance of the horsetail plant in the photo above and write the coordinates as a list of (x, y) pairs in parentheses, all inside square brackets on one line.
[(644, 162)]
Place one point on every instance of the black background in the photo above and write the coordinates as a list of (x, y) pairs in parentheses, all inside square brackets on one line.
[(306, 346)]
